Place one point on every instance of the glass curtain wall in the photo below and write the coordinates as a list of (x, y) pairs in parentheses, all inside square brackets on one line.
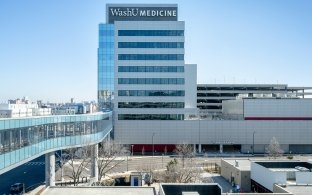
[(106, 66), (22, 138)]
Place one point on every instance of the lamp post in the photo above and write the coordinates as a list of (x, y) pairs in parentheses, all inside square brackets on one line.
[(61, 163), (132, 149), (127, 162), (253, 143), (153, 142), (199, 146)]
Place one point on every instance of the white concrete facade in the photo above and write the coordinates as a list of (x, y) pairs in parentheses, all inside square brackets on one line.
[(291, 108), (266, 177), (189, 73), (210, 132)]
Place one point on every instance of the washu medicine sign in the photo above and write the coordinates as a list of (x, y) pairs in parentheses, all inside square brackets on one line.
[(142, 14)]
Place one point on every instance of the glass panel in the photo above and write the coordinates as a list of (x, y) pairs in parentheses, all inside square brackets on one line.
[(150, 33), (150, 56)]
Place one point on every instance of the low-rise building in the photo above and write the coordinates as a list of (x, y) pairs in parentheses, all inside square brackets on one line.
[(237, 172), (290, 175), (22, 108)]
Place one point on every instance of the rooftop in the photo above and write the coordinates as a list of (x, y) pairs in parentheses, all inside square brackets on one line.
[(299, 189), (100, 190), (243, 164)]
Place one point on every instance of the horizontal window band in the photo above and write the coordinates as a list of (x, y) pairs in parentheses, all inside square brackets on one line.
[(150, 116), (152, 81), (150, 68), (150, 104), (150, 44), (150, 32), (151, 93), (150, 56)]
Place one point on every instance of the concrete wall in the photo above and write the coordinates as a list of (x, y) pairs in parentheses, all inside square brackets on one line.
[(303, 178), (214, 132), (226, 170), (242, 178), (245, 181), (190, 85), (266, 177), (278, 107), (279, 189), (232, 107)]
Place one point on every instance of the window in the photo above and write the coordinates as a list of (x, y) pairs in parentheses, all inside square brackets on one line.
[(151, 93), (151, 81), (150, 32), (150, 68), (150, 104), (150, 45), (150, 56), (150, 117)]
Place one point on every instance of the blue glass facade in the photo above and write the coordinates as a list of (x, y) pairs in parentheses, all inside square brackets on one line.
[(23, 138), (106, 66)]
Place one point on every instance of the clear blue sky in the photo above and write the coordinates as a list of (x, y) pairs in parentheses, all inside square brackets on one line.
[(48, 48)]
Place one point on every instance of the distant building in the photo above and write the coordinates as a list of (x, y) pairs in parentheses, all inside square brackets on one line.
[(22, 108), (211, 96), (74, 108)]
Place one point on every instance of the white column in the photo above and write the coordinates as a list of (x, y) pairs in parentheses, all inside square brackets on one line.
[(50, 169), (194, 147), (94, 162), (199, 148), (221, 148)]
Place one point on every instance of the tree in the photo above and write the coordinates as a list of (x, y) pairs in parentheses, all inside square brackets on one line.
[(78, 159), (108, 153), (174, 173), (184, 151), (274, 150)]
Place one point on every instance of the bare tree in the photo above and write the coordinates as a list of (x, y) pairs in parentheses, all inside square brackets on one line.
[(109, 151), (274, 150), (78, 159), (176, 174), (184, 151)]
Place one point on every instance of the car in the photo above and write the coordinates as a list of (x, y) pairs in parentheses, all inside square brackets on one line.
[(17, 187)]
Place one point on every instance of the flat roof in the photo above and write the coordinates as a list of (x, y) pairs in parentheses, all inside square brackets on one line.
[(190, 188), (99, 190), (299, 189), (284, 169), (243, 164), (284, 164)]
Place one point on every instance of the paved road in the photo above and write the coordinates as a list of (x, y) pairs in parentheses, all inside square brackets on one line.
[(137, 163), (30, 173), (140, 163)]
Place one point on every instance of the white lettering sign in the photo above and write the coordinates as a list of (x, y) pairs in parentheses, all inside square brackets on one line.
[(134, 12)]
